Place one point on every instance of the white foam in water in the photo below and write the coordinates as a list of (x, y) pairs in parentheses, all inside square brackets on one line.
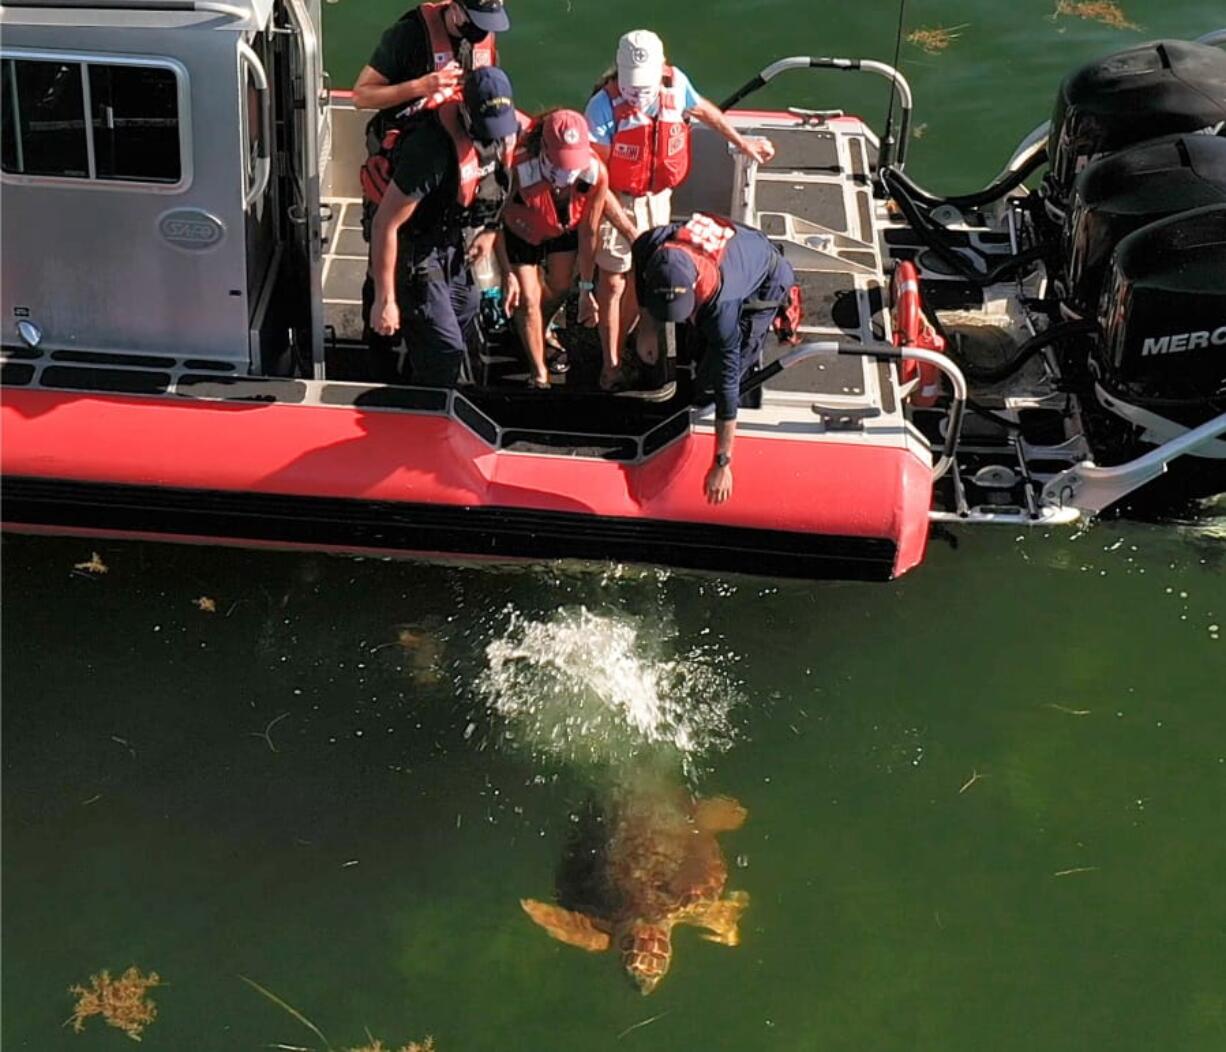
[(589, 687)]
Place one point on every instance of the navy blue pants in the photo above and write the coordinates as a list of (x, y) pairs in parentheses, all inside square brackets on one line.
[(438, 301)]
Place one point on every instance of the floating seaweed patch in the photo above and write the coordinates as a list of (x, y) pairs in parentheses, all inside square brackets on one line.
[(413, 1046), (932, 41), (1107, 12), (93, 564), (121, 1002)]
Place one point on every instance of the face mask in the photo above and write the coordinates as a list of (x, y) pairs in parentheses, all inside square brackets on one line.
[(641, 98), (473, 33), (559, 177)]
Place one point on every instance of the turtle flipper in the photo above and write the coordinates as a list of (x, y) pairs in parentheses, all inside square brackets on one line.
[(721, 918), (577, 929), (719, 814)]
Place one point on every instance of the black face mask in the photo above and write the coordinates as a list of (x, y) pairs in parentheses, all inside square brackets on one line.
[(472, 32)]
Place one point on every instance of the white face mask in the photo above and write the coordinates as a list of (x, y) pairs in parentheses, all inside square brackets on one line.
[(641, 99), (559, 177)]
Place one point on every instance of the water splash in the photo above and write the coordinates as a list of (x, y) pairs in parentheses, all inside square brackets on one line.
[(590, 688)]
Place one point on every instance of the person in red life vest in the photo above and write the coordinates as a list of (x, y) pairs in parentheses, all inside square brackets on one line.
[(422, 58), (452, 174), (555, 206), (639, 119), (728, 282)]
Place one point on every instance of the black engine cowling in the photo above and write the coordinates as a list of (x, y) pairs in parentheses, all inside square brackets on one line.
[(1125, 191), (1163, 317), (1160, 88)]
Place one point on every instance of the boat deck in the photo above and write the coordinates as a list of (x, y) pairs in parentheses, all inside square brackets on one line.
[(813, 198)]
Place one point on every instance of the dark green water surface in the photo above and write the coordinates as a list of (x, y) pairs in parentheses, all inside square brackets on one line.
[(985, 803)]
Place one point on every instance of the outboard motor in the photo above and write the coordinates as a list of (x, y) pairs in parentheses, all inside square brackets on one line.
[(1160, 88), (1163, 316), (1125, 191)]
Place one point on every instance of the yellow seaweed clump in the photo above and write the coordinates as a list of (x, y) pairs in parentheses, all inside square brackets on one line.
[(121, 1002), (413, 1046), (932, 41), (1108, 12)]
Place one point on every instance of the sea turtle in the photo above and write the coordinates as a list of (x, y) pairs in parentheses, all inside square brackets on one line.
[(659, 865)]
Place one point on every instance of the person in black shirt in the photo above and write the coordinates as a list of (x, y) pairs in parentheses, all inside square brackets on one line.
[(405, 68), (451, 174)]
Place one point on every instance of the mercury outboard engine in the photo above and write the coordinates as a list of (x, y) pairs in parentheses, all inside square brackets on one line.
[(1163, 315), (1160, 88), (1125, 191)]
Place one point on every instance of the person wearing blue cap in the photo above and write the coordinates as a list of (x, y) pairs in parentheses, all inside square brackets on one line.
[(451, 176), (728, 281), (422, 58)]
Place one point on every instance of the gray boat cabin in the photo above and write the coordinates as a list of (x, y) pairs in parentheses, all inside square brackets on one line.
[(161, 179)]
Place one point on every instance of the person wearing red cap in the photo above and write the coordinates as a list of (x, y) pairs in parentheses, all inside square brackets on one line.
[(554, 209)]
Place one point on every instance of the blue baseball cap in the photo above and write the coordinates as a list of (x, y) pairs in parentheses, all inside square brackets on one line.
[(491, 108), (669, 278), (489, 15)]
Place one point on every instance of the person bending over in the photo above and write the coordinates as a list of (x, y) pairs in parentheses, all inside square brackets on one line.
[(556, 203), (728, 281)]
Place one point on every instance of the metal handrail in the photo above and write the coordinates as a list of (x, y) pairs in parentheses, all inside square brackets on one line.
[(847, 65), (881, 352), (209, 6), (263, 158), (1091, 488)]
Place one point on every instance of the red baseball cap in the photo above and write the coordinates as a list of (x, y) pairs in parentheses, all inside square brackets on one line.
[(565, 138)]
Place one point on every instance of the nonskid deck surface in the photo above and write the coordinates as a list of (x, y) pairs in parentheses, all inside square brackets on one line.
[(813, 199)]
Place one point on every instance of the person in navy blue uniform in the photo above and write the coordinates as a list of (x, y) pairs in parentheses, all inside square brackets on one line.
[(451, 178), (728, 281)]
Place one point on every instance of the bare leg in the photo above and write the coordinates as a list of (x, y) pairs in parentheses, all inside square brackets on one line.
[(629, 310), (530, 321), (609, 289), (559, 274)]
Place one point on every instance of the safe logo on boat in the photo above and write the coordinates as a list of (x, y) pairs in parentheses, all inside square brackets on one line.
[(191, 229), (1184, 341)]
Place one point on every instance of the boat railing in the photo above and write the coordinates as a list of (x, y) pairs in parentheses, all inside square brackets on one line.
[(206, 6), (1091, 489), (883, 352), (846, 65)]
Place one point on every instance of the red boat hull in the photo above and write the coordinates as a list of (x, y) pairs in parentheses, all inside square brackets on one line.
[(359, 479)]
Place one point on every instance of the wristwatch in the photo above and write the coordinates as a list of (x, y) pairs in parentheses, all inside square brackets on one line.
[(586, 286), (722, 460)]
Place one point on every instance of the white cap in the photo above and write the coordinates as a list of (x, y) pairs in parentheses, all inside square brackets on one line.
[(640, 59)]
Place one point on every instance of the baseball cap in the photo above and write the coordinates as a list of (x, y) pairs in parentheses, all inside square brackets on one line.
[(489, 15), (487, 96), (640, 59), (668, 284), (565, 137)]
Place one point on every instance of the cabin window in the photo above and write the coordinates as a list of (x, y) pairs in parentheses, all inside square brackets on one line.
[(131, 133)]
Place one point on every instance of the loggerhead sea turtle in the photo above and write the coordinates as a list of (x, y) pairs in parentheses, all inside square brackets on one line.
[(659, 866)]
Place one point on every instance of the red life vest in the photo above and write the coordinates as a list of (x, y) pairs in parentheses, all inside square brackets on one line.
[(648, 154), (532, 212), (705, 240), (442, 54), (376, 173)]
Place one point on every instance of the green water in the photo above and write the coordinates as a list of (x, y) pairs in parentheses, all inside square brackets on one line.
[(280, 789)]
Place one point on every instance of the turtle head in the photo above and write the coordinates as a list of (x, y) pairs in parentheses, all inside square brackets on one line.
[(647, 951)]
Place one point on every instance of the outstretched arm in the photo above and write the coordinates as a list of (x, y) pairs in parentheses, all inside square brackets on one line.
[(394, 211), (613, 210), (761, 150)]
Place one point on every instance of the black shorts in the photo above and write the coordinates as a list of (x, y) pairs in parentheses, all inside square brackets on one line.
[(523, 254)]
